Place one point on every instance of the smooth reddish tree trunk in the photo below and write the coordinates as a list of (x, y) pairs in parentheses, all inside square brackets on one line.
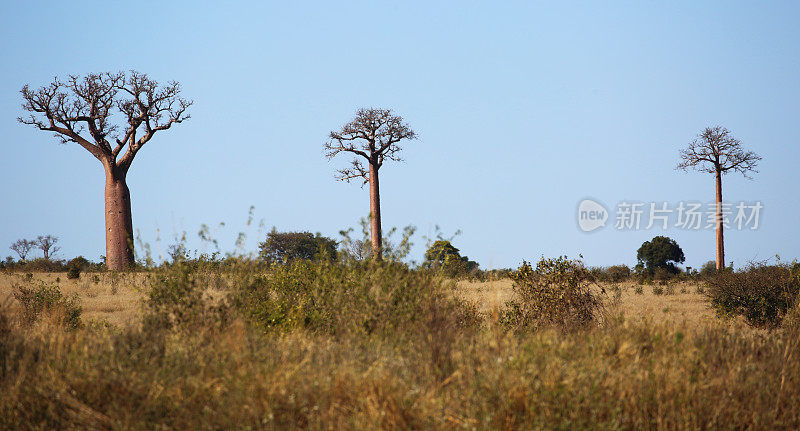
[(119, 222), (720, 234), (375, 212)]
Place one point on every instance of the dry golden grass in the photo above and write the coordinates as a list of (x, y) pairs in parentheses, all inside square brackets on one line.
[(117, 298), (678, 369), (103, 296), (680, 304)]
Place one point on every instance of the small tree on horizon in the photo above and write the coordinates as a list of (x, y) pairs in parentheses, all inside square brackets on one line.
[(660, 252), (22, 247), (284, 247), (80, 110), (47, 244), (715, 151), (373, 135), (442, 255)]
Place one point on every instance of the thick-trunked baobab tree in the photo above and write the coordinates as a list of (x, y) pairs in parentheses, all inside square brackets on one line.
[(80, 110)]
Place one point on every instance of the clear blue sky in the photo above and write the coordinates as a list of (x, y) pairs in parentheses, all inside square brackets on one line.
[(522, 110)]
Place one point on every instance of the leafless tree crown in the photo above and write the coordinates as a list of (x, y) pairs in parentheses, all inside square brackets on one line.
[(22, 247), (80, 110), (47, 243), (715, 150), (373, 134)]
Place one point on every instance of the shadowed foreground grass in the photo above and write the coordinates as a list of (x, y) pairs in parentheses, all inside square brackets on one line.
[(235, 373)]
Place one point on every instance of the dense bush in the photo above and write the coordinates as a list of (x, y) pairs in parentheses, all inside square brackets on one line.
[(51, 265), (611, 274), (79, 262), (43, 265), (283, 247), (763, 294), (443, 257), (75, 266), (176, 299), (43, 299), (555, 293), (73, 273), (660, 252), (709, 269), (339, 299)]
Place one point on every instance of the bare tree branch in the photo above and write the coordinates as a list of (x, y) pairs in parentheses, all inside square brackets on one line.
[(22, 247), (373, 134), (355, 171), (716, 151), (86, 104), (47, 244)]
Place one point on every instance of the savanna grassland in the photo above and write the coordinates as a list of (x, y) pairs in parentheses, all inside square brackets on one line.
[(241, 345)]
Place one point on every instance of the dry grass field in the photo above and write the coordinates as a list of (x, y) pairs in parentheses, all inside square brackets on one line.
[(116, 299), (103, 296), (678, 302), (307, 347)]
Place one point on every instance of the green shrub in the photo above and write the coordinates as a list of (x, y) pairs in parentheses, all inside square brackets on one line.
[(442, 256), (555, 293), (73, 273), (47, 299), (346, 298), (79, 262), (175, 298), (763, 294), (618, 273), (660, 252), (611, 274), (708, 269), (283, 247), (44, 265), (662, 275)]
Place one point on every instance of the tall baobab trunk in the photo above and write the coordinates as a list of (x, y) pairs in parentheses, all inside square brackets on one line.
[(375, 212), (720, 235), (119, 223)]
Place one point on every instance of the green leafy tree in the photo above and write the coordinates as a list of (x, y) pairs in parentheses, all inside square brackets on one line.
[(660, 252), (283, 247), (442, 255)]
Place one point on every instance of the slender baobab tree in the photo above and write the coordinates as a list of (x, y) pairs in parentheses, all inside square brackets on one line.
[(717, 152), (79, 109), (47, 243), (372, 135)]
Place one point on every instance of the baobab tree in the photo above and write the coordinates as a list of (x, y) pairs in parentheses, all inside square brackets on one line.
[(47, 244), (80, 110), (373, 135), (717, 152), (22, 247)]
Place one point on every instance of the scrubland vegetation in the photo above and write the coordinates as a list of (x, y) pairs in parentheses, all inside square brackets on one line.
[(246, 344)]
